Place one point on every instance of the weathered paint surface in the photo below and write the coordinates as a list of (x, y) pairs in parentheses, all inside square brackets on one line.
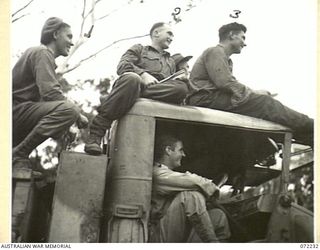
[(131, 180), (151, 108), (78, 198), (20, 198), (290, 223)]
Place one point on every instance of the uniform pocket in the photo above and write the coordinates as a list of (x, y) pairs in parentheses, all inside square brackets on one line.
[(151, 63)]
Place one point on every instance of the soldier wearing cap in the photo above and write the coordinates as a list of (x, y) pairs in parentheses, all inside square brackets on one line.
[(183, 66), (181, 61), (40, 110)]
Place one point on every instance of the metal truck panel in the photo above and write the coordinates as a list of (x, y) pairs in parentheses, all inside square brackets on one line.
[(131, 180), (151, 108), (78, 198), (26, 207)]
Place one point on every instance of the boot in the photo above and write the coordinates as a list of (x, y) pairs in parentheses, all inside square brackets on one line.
[(92, 146), (203, 227), (97, 131), (20, 153)]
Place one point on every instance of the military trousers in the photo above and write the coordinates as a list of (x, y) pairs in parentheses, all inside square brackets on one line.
[(127, 88), (51, 119), (259, 106), (174, 226)]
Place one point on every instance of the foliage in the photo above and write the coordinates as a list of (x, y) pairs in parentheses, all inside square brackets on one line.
[(300, 179), (302, 190), (46, 155)]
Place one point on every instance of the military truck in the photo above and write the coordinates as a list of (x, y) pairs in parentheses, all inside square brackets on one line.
[(107, 198)]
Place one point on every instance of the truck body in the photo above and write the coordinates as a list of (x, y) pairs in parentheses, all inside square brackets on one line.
[(217, 144)]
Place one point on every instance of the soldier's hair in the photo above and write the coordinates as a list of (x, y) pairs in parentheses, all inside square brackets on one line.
[(234, 27), (52, 25), (161, 143), (155, 26)]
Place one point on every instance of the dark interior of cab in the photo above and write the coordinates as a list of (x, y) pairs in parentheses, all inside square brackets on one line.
[(213, 151)]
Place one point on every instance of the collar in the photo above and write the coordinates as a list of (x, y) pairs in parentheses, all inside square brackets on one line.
[(48, 48), (150, 47), (161, 165), (224, 49), (222, 46)]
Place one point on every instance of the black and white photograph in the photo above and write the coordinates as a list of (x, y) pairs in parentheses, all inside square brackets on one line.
[(172, 121)]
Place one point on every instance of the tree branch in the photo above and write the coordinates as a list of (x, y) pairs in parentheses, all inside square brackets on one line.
[(106, 15), (65, 68), (92, 9), (82, 37), (99, 51), (15, 13), (114, 10), (93, 5), (88, 35), (83, 17), (16, 19)]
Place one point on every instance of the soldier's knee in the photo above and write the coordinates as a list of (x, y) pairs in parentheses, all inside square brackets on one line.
[(69, 111), (195, 195), (131, 75), (180, 90), (267, 99), (130, 79), (194, 202), (218, 213)]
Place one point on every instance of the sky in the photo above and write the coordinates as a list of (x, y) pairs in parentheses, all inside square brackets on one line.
[(280, 56)]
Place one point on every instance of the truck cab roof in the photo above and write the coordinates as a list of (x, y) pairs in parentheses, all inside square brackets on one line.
[(147, 107)]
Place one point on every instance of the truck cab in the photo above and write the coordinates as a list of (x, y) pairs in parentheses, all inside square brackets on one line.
[(107, 198)]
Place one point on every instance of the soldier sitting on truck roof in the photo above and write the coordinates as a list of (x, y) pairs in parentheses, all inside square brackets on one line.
[(141, 69), (178, 205), (39, 108), (219, 89)]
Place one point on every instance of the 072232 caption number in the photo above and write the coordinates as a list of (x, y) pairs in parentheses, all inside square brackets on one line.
[(309, 245)]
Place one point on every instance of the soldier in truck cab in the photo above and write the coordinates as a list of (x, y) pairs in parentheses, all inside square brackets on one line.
[(219, 89), (178, 203), (40, 110), (141, 68)]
